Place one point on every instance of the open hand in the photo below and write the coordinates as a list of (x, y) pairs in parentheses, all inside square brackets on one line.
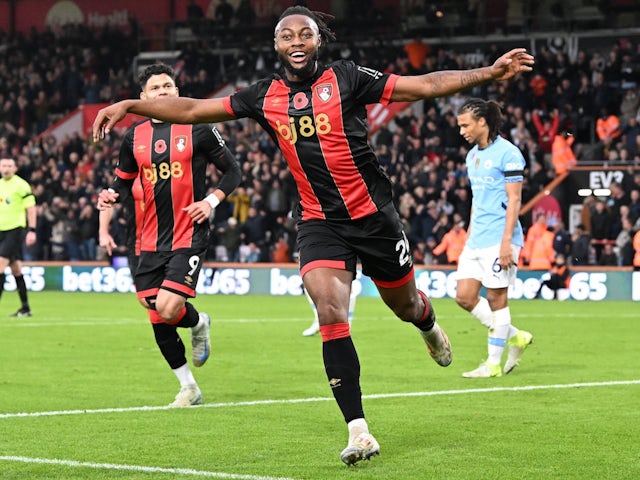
[(511, 63)]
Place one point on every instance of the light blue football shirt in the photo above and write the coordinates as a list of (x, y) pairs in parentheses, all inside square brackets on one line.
[(489, 170)]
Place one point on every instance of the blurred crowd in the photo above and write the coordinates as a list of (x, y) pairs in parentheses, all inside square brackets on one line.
[(572, 109)]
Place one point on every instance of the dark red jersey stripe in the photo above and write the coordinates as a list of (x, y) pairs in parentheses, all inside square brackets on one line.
[(276, 112), (335, 331), (339, 264), (142, 148), (126, 175), (150, 292), (394, 284), (337, 153), (138, 205), (182, 185), (178, 287), (388, 89)]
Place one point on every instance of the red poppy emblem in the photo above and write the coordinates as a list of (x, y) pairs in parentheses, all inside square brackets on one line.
[(180, 142), (300, 100), (160, 146), (324, 91)]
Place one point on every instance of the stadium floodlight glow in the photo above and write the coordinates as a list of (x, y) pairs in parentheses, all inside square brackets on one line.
[(601, 192), (584, 192)]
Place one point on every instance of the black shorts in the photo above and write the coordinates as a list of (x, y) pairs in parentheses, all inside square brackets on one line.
[(11, 243), (377, 240), (174, 271)]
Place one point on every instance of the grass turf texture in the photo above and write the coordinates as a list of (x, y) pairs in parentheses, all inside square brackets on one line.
[(269, 413)]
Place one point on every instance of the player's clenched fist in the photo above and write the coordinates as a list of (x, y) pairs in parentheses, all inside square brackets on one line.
[(106, 198)]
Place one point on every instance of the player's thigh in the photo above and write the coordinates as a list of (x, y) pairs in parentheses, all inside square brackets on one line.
[(324, 245), (182, 272), (383, 249)]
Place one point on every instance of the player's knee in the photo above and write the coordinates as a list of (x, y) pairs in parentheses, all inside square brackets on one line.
[(329, 313), (169, 311), (464, 301)]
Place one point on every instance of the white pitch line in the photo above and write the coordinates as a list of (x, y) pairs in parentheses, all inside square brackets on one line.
[(325, 399), (59, 322), (137, 468)]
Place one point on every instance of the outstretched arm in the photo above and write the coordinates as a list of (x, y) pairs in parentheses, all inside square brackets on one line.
[(448, 82), (175, 110)]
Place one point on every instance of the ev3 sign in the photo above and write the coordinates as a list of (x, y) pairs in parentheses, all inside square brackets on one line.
[(599, 179)]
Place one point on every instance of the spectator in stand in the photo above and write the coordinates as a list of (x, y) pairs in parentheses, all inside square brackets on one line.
[(534, 232), (241, 202), (547, 127), (601, 223), (624, 244), (230, 239), (634, 205), (221, 12), (608, 257), (253, 232), (608, 128), (580, 246), (559, 277), (540, 253), (538, 85), (631, 136), (636, 248), (562, 156), (417, 51), (628, 106), (562, 239), (453, 242)]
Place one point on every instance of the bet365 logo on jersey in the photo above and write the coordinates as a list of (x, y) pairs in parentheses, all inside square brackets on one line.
[(162, 171), (305, 126)]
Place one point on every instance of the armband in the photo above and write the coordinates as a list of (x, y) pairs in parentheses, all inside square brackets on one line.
[(212, 200)]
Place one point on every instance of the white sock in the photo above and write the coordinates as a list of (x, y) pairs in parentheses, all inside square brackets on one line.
[(352, 305), (357, 426), (482, 311), (498, 335), (184, 375)]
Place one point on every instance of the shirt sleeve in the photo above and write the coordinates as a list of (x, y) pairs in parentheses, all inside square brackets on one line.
[(218, 154)]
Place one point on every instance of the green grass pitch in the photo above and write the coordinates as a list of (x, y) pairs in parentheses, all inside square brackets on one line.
[(83, 391)]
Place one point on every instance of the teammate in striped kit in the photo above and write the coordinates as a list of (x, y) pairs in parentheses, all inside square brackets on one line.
[(317, 116), (170, 162)]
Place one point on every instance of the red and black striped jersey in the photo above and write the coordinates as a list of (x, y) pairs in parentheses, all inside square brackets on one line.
[(171, 161), (321, 128)]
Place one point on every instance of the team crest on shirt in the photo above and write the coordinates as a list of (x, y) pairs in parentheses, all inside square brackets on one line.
[(160, 146), (300, 100), (324, 91), (180, 142)]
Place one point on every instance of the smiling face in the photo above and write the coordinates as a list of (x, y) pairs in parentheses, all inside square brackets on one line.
[(297, 40)]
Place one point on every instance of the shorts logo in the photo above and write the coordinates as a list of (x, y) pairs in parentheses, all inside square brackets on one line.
[(160, 146), (300, 100), (180, 142), (324, 91), (188, 279)]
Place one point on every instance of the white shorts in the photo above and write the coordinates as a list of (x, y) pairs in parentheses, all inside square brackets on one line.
[(482, 264)]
